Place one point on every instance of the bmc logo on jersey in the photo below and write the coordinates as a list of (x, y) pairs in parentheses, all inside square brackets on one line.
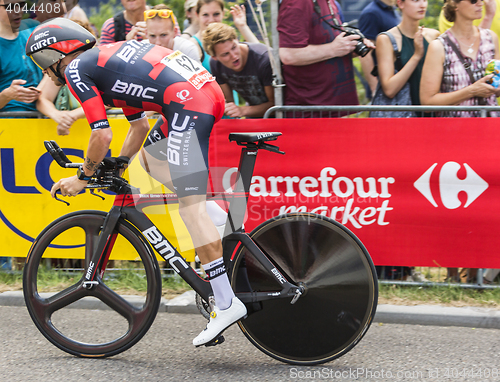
[(133, 89), (74, 74), (450, 185)]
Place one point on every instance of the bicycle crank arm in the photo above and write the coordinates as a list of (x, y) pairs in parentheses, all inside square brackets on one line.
[(295, 292)]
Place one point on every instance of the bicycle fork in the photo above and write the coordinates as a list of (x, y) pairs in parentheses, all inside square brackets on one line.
[(100, 256)]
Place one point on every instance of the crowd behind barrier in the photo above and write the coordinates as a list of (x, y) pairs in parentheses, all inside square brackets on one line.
[(359, 110), (397, 276)]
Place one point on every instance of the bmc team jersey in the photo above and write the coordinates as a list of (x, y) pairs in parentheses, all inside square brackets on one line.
[(138, 77)]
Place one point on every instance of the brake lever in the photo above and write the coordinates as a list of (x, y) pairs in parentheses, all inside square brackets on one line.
[(60, 200), (92, 192)]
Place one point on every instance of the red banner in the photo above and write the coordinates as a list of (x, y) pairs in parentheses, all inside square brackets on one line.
[(417, 192)]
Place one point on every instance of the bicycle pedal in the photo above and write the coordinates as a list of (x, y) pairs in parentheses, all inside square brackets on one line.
[(216, 341)]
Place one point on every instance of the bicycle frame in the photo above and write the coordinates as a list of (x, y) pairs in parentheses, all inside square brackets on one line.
[(308, 248), (130, 204)]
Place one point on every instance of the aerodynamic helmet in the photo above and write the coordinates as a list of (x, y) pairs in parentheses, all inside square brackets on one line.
[(56, 38)]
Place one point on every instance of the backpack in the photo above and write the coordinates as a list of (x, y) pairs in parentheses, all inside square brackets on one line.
[(119, 20)]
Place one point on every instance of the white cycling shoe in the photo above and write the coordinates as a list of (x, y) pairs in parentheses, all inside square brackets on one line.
[(220, 320)]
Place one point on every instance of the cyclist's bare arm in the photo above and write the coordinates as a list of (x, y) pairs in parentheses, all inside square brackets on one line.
[(135, 137), (96, 151)]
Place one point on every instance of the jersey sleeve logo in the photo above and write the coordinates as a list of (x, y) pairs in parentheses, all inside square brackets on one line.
[(74, 75), (192, 71)]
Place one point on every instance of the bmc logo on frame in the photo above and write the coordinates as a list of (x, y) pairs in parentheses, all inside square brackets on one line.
[(450, 185)]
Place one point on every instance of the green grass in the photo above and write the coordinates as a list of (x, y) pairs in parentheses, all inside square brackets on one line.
[(446, 294), (130, 281), (127, 281)]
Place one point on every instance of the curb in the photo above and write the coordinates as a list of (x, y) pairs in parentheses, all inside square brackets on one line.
[(434, 315)]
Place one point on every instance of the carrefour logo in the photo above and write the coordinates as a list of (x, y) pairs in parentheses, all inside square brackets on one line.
[(450, 185)]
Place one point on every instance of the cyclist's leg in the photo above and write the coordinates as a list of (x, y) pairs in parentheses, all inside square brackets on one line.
[(184, 143), (153, 158)]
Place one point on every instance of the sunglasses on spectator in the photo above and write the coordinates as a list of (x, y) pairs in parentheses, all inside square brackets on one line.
[(163, 13), (474, 1)]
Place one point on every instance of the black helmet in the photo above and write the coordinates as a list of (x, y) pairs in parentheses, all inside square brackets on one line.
[(56, 38)]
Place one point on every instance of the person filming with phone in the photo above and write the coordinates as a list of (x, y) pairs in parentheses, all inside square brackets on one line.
[(19, 76)]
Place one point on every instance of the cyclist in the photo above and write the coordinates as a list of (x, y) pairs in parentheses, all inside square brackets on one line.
[(138, 77)]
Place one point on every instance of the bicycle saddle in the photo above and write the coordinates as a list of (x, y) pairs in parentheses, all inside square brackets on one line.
[(253, 137)]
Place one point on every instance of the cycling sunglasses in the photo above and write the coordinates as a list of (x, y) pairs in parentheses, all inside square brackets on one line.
[(163, 13)]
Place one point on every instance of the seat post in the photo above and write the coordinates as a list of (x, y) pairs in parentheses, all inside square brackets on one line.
[(237, 207)]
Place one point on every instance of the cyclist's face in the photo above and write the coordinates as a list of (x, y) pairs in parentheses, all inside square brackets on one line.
[(228, 53), (161, 32), (210, 13), (51, 74)]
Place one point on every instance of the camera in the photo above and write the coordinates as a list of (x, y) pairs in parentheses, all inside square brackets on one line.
[(361, 49)]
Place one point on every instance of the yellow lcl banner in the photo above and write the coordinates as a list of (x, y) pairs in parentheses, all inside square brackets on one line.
[(28, 172)]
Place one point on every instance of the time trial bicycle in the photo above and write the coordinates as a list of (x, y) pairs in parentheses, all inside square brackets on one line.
[(308, 282)]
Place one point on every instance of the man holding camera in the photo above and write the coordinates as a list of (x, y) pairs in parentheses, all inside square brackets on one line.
[(316, 53)]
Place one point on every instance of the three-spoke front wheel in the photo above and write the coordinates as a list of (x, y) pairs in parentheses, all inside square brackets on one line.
[(52, 288)]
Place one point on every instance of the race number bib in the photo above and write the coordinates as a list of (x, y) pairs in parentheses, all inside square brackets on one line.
[(191, 70)]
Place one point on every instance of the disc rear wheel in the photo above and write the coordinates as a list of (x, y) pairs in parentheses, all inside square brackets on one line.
[(340, 285)]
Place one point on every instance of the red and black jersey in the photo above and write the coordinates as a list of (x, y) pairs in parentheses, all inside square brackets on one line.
[(137, 76)]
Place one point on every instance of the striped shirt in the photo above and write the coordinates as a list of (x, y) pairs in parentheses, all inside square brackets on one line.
[(108, 32)]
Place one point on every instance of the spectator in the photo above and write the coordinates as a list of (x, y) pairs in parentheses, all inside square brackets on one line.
[(445, 79), (191, 22), (47, 104), (462, 44), (317, 59), (48, 9), (413, 41), (161, 30), (75, 12), (241, 67), (240, 22), (489, 20), (378, 16), (212, 11), (126, 25), (19, 75), (57, 102)]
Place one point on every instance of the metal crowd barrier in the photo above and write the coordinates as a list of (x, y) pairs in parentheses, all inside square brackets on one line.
[(358, 110), (37, 114)]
